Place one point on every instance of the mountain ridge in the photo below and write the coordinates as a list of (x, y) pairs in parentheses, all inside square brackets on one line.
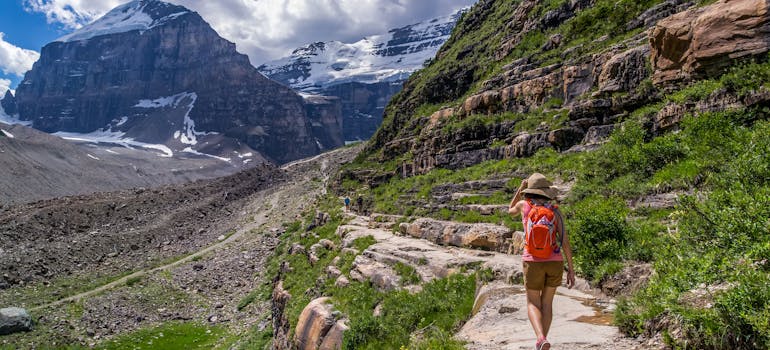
[(96, 78)]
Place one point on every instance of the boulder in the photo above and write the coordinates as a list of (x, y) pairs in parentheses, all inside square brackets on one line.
[(313, 324), (484, 236), (702, 41), (333, 339), (342, 281), (14, 320)]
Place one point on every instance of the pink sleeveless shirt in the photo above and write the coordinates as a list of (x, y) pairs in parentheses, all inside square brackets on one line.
[(526, 256)]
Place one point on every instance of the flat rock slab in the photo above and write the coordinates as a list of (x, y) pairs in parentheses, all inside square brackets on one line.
[(430, 260), (500, 321)]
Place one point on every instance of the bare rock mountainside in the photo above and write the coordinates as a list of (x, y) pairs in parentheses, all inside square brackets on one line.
[(158, 73), (364, 75)]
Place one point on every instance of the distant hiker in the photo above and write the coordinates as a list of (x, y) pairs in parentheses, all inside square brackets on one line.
[(347, 204), (545, 240), (360, 203)]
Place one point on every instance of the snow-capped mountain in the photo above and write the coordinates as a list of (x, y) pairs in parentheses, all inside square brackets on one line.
[(390, 57), (134, 15), (364, 75), (155, 75)]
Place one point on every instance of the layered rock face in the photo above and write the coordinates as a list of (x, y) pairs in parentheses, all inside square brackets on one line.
[(704, 40), (149, 55), (529, 104), (364, 75)]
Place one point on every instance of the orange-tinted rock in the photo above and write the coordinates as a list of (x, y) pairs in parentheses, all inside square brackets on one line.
[(333, 339), (704, 40), (313, 324)]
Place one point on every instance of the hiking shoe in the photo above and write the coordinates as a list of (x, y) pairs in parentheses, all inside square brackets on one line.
[(543, 344)]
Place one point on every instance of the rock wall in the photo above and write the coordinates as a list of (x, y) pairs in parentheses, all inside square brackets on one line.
[(703, 41), (363, 106), (326, 119)]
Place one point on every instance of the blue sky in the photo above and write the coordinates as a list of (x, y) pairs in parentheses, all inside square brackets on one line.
[(264, 30), (25, 30)]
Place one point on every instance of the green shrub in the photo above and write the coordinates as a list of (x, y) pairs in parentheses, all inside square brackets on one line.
[(599, 234)]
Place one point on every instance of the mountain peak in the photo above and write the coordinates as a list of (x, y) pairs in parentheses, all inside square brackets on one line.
[(138, 15)]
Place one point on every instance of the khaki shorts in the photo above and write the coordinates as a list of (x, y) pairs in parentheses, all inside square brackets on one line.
[(543, 274)]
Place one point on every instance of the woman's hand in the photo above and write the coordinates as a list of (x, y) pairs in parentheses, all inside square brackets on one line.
[(570, 278), (523, 185)]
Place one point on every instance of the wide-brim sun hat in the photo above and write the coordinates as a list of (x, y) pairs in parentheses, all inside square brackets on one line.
[(539, 185)]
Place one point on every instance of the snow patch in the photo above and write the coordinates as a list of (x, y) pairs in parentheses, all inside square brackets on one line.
[(113, 137), (92, 157), (124, 18), (8, 134), (192, 151), (187, 135)]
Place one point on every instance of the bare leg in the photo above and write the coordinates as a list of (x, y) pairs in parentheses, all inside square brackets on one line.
[(534, 305), (546, 303)]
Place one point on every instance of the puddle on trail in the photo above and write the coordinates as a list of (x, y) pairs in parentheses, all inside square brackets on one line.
[(601, 316)]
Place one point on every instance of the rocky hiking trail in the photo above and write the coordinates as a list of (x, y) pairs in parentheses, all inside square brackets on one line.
[(435, 249)]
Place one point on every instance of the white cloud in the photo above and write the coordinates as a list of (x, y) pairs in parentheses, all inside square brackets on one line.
[(268, 29), (15, 60), (5, 85), (72, 13)]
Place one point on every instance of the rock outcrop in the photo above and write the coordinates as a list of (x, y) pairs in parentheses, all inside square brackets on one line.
[(318, 327), (14, 320), (116, 73), (702, 41)]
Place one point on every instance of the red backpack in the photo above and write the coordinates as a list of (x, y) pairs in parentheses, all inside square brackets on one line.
[(541, 236)]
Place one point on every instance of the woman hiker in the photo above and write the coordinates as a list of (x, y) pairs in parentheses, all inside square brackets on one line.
[(546, 248)]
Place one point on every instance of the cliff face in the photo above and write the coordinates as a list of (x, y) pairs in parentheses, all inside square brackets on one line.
[(138, 61), (516, 77)]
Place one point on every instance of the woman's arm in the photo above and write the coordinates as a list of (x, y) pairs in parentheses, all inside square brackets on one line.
[(515, 207), (567, 249)]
